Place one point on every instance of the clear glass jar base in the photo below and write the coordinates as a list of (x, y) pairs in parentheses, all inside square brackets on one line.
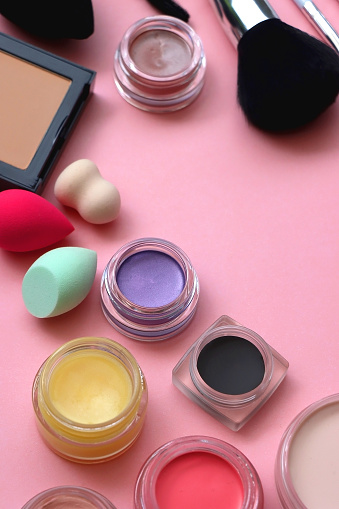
[(148, 336), (91, 461), (154, 106)]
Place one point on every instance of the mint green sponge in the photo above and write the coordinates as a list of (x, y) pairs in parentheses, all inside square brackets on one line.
[(58, 281)]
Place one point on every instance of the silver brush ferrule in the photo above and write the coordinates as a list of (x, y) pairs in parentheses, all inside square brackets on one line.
[(318, 20), (238, 16)]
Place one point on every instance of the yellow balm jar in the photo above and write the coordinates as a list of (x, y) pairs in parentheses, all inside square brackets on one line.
[(90, 400)]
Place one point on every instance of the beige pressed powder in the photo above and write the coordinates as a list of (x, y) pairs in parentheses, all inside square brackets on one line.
[(30, 97), (41, 97)]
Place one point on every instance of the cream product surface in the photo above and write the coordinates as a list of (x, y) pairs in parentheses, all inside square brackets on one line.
[(41, 97), (160, 64), (230, 371), (160, 53), (307, 464), (66, 497), (198, 472), (90, 400), (149, 290)]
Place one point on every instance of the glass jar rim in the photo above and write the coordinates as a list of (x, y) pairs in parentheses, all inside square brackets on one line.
[(221, 398), (149, 323), (284, 484), (90, 343), (85, 493)]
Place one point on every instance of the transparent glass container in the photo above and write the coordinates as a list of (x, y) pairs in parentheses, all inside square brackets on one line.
[(144, 86), (146, 486), (65, 497), (100, 441), (149, 323), (233, 410), (307, 462)]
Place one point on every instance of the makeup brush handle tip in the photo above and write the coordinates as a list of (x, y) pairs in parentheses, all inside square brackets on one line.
[(300, 3)]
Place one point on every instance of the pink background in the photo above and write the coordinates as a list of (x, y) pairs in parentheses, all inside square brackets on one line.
[(258, 215)]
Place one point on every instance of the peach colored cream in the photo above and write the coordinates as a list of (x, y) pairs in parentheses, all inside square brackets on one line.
[(314, 459), (160, 53)]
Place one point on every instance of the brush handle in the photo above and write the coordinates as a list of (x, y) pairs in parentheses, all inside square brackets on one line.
[(318, 20), (238, 16)]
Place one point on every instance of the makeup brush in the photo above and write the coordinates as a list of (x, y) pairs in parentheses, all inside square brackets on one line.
[(170, 8), (318, 20), (286, 78), (60, 19)]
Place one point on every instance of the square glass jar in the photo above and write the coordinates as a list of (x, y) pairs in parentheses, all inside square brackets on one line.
[(236, 357)]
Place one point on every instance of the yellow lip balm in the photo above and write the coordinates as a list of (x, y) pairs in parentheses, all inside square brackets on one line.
[(90, 400), (90, 387)]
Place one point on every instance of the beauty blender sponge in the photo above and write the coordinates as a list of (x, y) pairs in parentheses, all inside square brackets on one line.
[(29, 222), (82, 187), (59, 281), (56, 19)]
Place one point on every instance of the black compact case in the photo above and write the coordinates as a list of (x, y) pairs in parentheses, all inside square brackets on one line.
[(33, 82)]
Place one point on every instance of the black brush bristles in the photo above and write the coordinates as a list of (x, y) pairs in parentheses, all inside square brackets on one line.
[(51, 19), (170, 8), (286, 78)]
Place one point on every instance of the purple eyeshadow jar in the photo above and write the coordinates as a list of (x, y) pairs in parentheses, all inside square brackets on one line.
[(64, 497), (149, 290)]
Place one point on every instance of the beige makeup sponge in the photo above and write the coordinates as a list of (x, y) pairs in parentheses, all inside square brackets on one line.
[(82, 187)]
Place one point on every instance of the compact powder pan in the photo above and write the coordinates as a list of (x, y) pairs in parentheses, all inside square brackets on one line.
[(41, 96)]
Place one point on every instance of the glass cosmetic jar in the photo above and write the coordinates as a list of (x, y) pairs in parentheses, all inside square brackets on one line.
[(90, 400), (198, 472), (230, 371), (64, 497), (307, 463), (149, 290), (160, 64)]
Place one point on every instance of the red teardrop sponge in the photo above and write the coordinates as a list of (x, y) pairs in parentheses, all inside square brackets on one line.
[(29, 222)]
